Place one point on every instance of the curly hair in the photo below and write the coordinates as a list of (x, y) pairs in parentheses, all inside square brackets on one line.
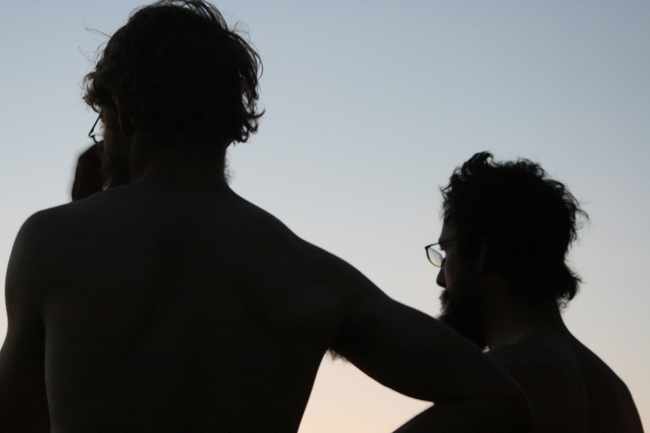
[(176, 67), (528, 221)]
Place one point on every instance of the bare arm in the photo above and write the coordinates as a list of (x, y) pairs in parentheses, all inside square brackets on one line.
[(416, 355), (22, 367)]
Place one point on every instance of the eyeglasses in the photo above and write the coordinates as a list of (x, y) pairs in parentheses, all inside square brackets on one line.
[(435, 256), (97, 137)]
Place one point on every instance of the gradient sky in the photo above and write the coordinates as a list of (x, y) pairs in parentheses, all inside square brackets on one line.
[(369, 107)]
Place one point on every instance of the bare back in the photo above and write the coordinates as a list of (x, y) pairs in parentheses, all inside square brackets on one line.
[(570, 388), (213, 297)]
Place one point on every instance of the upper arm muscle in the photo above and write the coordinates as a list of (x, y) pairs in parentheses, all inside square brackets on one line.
[(411, 352), (22, 361)]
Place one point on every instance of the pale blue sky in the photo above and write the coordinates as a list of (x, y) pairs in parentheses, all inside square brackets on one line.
[(370, 105)]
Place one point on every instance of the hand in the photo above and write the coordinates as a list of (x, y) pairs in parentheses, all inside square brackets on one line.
[(87, 179)]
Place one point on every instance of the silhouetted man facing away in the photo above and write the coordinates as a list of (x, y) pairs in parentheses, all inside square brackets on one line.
[(167, 303), (507, 229)]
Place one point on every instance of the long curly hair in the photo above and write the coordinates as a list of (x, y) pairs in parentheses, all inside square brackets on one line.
[(176, 68), (527, 219)]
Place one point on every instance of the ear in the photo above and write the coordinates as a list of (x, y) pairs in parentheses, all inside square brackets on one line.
[(482, 256)]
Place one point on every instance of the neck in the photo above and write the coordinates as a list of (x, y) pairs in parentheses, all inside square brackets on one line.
[(197, 165), (509, 318), (186, 162)]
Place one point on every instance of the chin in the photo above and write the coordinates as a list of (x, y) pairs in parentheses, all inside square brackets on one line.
[(464, 314)]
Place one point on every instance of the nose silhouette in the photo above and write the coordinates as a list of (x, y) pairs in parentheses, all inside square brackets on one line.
[(441, 275)]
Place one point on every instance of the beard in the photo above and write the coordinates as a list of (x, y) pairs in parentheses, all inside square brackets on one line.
[(463, 311), (114, 153)]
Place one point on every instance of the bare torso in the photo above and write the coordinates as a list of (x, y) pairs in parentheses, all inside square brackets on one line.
[(570, 388)]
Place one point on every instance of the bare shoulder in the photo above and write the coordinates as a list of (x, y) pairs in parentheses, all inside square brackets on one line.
[(34, 265), (62, 219), (46, 233), (324, 267), (35, 243), (611, 404), (545, 367), (571, 389)]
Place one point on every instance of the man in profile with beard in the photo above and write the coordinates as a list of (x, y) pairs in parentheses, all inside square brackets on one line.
[(168, 303), (506, 233)]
